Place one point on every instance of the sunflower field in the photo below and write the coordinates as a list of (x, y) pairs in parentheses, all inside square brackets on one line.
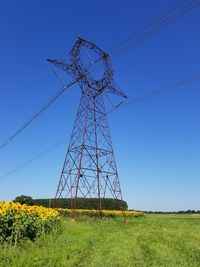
[(102, 213), (18, 222)]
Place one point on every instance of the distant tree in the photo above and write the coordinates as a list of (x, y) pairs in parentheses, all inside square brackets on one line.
[(24, 200), (84, 203)]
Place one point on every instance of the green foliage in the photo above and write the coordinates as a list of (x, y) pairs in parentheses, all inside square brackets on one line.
[(151, 240), (16, 227), (24, 200), (84, 203)]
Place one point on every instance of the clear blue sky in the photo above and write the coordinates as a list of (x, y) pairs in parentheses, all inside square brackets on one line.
[(156, 142)]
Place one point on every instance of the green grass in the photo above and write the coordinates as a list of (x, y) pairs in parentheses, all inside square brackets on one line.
[(152, 240)]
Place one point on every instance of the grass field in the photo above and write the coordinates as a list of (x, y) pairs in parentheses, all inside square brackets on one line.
[(152, 240)]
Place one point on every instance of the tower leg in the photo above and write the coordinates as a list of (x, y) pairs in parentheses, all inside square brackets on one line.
[(89, 169)]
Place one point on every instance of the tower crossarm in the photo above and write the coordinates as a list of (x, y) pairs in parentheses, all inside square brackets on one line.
[(83, 73), (62, 65)]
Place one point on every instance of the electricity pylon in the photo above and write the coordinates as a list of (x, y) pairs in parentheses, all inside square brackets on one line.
[(89, 168)]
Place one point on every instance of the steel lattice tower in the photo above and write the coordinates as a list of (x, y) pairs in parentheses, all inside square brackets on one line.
[(89, 168)]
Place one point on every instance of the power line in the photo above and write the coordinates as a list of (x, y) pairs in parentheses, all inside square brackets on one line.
[(36, 115), (162, 90), (138, 99), (57, 76), (33, 159), (149, 23), (165, 18), (178, 10)]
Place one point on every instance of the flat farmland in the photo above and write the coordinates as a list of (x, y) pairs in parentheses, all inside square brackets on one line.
[(151, 240)]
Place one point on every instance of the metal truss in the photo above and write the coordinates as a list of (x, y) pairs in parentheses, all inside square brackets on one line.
[(89, 168)]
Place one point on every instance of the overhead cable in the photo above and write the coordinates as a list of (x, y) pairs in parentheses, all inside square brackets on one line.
[(135, 100), (37, 114), (180, 8), (33, 159), (162, 90)]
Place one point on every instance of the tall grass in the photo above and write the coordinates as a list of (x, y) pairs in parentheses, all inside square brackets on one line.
[(152, 240)]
